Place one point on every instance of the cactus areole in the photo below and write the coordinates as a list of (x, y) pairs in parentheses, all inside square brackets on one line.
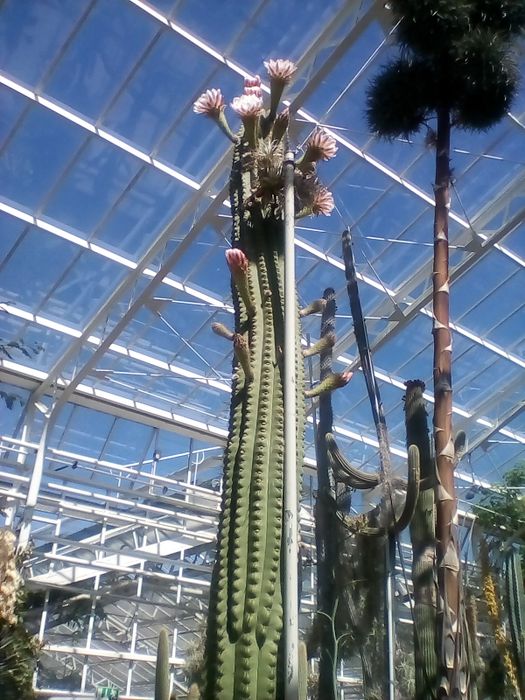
[(243, 659)]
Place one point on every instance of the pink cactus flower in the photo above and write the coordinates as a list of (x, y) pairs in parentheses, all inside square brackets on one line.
[(323, 202), (253, 91), (252, 86), (280, 70), (320, 146), (252, 81), (237, 260), (247, 106), (344, 377), (210, 103)]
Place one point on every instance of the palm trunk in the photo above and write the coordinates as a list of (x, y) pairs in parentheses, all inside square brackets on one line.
[(447, 549)]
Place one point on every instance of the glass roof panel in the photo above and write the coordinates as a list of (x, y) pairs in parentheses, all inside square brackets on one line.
[(143, 209), (36, 156), (24, 275), (100, 56), (159, 91), (52, 343), (13, 104), (31, 33), (83, 200)]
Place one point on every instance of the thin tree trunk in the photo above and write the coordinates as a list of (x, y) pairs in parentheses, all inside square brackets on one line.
[(447, 549)]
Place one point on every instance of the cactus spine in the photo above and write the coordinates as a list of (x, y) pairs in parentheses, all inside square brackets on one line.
[(162, 669), (242, 660), (422, 534)]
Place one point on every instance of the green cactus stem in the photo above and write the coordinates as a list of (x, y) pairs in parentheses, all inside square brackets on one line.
[(245, 619), (345, 472), (315, 307), (333, 381), (242, 353), (422, 535), (515, 599), (395, 524), (324, 343), (222, 330), (162, 669)]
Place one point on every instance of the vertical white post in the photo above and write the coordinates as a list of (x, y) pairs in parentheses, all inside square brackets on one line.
[(35, 481), (390, 571), (290, 533)]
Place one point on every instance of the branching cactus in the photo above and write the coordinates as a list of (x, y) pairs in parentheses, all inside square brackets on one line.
[(245, 615), (162, 669), (385, 519)]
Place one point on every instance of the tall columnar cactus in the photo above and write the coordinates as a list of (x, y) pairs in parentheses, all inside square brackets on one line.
[(515, 600), (246, 607), (422, 534), (162, 669)]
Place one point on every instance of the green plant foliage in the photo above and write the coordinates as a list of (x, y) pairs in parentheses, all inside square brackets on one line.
[(18, 654), (18, 647), (483, 81), (397, 102), (428, 26), (501, 512), (505, 16)]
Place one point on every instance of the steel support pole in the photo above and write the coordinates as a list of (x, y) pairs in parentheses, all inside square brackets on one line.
[(390, 573), (290, 534)]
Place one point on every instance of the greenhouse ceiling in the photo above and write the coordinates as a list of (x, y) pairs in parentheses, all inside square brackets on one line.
[(115, 223)]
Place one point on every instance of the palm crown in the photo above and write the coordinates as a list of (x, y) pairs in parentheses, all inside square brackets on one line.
[(455, 55)]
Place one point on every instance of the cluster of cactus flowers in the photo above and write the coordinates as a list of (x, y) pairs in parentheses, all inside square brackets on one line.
[(263, 135), (245, 619)]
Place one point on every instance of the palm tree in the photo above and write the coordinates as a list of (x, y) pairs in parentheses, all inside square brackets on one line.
[(455, 66)]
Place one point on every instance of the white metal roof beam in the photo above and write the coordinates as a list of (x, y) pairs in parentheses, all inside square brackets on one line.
[(206, 295), (186, 373), (146, 414), (416, 307)]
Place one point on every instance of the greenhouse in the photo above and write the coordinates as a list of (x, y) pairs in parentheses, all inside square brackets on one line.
[(262, 349)]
